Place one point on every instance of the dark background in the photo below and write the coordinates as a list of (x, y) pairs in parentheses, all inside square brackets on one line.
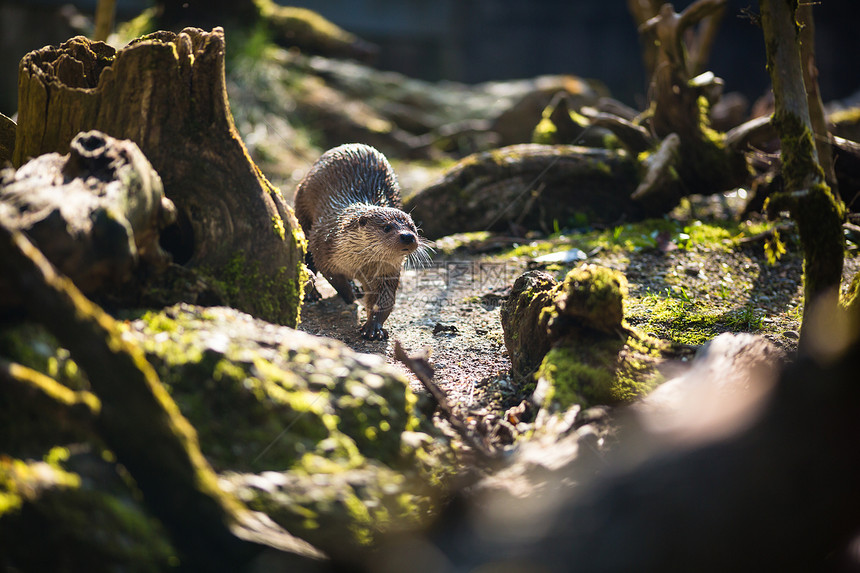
[(480, 40)]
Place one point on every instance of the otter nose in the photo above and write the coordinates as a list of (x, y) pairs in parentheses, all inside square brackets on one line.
[(407, 238)]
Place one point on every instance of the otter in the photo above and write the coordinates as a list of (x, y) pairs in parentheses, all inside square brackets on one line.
[(350, 211)]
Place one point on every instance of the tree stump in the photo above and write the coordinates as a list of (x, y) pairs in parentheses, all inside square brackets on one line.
[(95, 213), (166, 92)]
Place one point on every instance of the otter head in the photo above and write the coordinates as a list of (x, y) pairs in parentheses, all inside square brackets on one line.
[(394, 229), (376, 235)]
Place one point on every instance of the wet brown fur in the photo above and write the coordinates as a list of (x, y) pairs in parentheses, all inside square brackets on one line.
[(349, 208)]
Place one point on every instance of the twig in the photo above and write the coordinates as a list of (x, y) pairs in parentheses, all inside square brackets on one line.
[(763, 235), (424, 372)]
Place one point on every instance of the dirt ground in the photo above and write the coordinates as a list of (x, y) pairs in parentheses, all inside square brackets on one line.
[(450, 308)]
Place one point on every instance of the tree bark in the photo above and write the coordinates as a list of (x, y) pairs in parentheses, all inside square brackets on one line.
[(823, 142), (818, 213), (642, 11), (96, 213), (142, 425), (166, 92), (7, 138)]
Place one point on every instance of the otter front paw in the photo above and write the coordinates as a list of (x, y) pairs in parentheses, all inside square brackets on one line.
[(373, 330)]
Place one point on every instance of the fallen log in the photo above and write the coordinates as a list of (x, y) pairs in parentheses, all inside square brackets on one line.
[(536, 187)]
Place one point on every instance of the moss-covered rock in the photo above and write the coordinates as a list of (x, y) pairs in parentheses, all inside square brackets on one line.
[(333, 432), (309, 413), (524, 324), (594, 297), (332, 508), (262, 396), (53, 519), (595, 368), (574, 334)]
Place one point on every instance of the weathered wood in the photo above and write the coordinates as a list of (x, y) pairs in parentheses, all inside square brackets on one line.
[(633, 136), (642, 11), (7, 139), (818, 213), (661, 169), (535, 186), (753, 133), (166, 92), (142, 425), (680, 105), (96, 212)]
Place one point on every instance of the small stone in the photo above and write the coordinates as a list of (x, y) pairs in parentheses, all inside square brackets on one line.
[(447, 328), (791, 334)]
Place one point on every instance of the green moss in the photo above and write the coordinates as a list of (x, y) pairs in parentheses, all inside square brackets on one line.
[(594, 296), (339, 509), (276, 299), (255, 413), (545, 132), (532, 249), (611, 141), (694, 323), (680, 321), (278, 225), (238, 413), (716, 235), (603, 168), (799, 167), (248, 45), (160, 322), (43, 505), (605, 370)]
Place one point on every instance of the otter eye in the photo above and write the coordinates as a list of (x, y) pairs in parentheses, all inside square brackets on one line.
[(387, 229)]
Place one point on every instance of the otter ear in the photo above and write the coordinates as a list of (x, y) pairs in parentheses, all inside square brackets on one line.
[(362, 221)]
